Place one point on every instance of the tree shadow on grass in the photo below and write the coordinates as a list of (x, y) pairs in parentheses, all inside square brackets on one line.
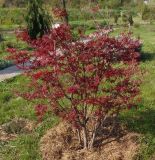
[(141, 121), (147, 56)]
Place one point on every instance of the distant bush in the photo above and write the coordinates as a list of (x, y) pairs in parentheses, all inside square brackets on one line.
[(89, 25), (145, 12), (148, 13), (76, 14), (152, 13), (12, 16)]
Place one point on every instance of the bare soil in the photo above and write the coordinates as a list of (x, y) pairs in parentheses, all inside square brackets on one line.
[(15, 127), (60, 143)]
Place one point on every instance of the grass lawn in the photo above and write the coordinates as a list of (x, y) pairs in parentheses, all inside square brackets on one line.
[(9, 41), (141, 120), (9, 27), (25, 147)]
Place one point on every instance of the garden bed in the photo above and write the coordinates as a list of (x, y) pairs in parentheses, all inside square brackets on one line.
[(59, 143)]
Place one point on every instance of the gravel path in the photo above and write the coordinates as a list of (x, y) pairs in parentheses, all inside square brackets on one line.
[(9, 73)]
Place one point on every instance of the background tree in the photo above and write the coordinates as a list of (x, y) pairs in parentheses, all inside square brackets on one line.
[(130, 19), (65, 9), (38, 20)]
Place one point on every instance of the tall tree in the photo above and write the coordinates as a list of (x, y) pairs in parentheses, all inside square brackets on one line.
[(64, 7)]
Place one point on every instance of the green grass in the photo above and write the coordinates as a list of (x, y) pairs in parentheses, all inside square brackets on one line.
[(9, 27), (25, 147), (142, 119), (12, 106), (3, 62), (9, 41)]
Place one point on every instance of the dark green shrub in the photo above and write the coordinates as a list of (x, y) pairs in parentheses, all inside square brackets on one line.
[(38, 21)]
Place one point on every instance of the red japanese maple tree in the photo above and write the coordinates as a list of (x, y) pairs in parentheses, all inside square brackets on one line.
[(84, 81)]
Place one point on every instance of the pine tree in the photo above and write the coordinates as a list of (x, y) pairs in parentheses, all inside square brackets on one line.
[(38, 20)]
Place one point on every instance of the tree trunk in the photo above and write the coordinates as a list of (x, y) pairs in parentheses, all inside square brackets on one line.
[(91, 145), (85, 138), (79, 136), (64, 6), (96, 127)]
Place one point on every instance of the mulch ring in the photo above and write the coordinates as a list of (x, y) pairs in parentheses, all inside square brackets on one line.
[(60, 143)]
